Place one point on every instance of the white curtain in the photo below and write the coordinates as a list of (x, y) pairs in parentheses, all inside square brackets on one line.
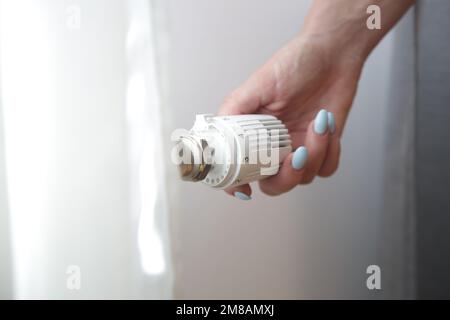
[(83, 202)]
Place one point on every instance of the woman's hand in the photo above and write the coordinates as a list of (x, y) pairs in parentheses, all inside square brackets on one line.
[(297, 85), (310, 85)]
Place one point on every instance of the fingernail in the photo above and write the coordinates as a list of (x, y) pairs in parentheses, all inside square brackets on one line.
[(242, 196), (331, 122), (321, 122), (299, 158)]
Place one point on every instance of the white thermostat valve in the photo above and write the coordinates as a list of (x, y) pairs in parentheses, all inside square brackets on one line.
[(224, 151)]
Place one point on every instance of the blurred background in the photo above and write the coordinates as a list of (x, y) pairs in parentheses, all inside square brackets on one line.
[(90, 92)]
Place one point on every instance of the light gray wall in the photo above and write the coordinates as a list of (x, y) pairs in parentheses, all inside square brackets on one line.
[(432, 155), (316, 241)]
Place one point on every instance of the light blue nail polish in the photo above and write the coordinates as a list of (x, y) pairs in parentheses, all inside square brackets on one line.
[(321, 122), (331, 122), (242, 196), (299, 158)]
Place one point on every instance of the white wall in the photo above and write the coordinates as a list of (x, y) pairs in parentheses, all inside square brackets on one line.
[(314, 242)]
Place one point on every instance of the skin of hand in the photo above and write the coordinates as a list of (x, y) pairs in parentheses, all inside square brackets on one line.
[(317, 70)]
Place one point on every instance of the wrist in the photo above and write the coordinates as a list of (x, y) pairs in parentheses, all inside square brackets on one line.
[(336, 53), (346, 38), (341, 25)]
